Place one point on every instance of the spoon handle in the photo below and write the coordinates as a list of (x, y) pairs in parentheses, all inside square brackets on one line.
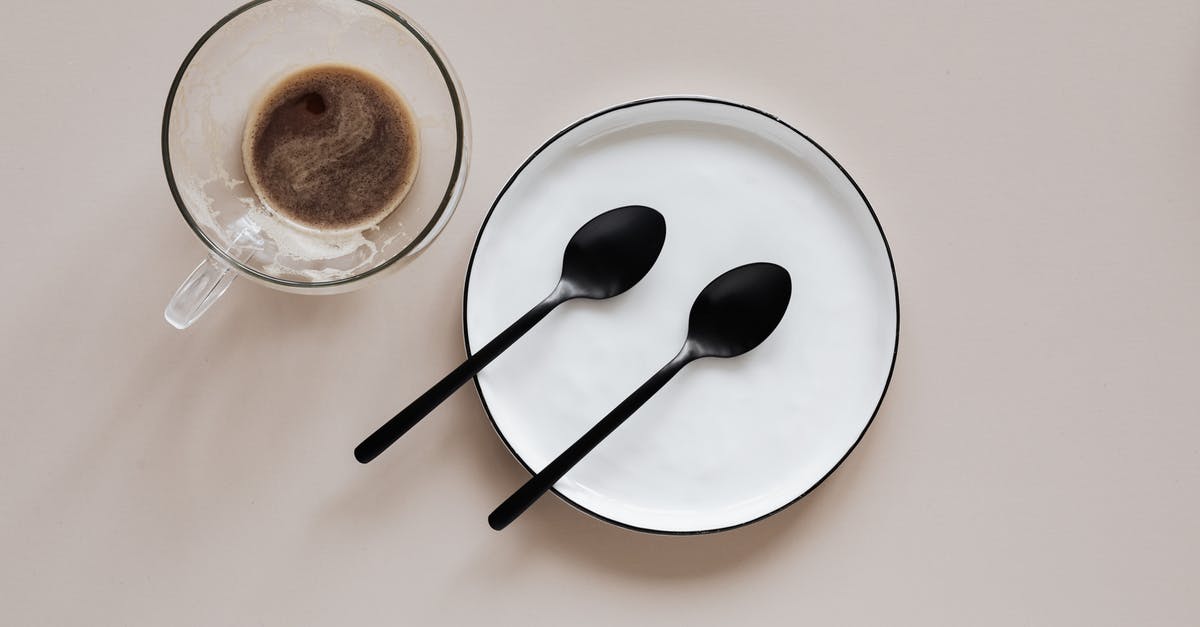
[(391, 430), (537, 485)]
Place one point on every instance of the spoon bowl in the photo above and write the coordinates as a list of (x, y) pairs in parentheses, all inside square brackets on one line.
[(613, 251), (738, 310)]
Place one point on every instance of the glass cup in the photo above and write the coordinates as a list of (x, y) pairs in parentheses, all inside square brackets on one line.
[(225, 73)]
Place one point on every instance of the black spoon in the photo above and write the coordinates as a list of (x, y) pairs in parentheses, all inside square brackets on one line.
[(732, 315), (605, 257)]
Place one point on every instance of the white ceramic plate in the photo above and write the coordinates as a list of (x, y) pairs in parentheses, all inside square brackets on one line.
[(727, 441)]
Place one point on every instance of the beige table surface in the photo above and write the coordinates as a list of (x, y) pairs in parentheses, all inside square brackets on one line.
[(1037, 460)]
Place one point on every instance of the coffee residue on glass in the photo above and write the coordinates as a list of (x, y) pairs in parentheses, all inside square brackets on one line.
[(331, 148)]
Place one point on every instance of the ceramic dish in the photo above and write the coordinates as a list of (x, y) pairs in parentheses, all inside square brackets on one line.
[(728, 441)]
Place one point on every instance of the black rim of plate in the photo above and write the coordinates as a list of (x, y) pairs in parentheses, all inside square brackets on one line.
[(704, 99)]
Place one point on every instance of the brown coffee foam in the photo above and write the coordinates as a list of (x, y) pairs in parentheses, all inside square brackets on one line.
[(331, 148)]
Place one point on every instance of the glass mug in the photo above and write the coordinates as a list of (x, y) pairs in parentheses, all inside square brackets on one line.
[(240, 57)]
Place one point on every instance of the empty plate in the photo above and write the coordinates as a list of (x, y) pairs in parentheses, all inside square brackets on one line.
[(728, 441)]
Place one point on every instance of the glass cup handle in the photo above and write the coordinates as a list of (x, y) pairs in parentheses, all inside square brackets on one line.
[(211, 278), (199, 291)]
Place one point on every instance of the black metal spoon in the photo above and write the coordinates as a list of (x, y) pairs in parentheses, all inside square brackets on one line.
[(605, 257), (732, 315)]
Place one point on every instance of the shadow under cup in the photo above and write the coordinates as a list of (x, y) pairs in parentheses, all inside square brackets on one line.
[(225, 73)]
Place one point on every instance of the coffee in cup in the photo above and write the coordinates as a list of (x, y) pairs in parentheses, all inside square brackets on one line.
[(331, 148)]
